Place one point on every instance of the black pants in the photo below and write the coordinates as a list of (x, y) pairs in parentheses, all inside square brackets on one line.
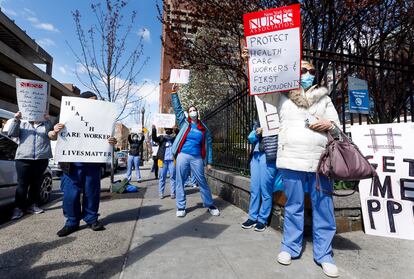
[(29, 179), (155, 166)]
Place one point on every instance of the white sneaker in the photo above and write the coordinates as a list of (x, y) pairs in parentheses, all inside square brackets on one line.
[(180, 213), (34, 209), (213, 210), (17, 214), (284, 258), (330, 270)]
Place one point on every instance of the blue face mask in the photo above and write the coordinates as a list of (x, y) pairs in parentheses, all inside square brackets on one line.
[(306, 80)]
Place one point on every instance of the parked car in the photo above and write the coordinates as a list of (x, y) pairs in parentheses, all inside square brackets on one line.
[(8, 175), (122, 159)]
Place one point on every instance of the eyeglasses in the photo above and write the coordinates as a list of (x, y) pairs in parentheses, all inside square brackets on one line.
[(310, 71)]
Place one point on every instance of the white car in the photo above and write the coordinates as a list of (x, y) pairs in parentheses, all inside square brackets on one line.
[(8, 175)]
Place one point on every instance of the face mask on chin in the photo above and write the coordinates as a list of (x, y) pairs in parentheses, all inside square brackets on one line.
[(193, 115), (306, 80)]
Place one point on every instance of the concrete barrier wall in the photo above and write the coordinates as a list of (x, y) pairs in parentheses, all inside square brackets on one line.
[(235, 189)]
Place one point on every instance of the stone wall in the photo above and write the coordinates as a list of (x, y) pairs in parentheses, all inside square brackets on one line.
[(236, 190)]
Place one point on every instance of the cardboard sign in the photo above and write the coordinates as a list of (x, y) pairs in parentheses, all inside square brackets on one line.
[(88, 125), (164, 120), (274, 40), (358, 96), (136, 128), (268, 117), (388, 204), (180, 76), (32, 99)]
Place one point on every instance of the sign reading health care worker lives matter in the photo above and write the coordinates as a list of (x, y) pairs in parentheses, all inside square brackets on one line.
[(274, 41), (88, 125), (32, 99), (388, 204), (164, 120), (268, 117), (180, 76)]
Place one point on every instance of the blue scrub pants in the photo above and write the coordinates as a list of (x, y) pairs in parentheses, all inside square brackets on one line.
[(185, 163), (133, 160), (167, 166), (323, 222), (86, 179), (262, 181)]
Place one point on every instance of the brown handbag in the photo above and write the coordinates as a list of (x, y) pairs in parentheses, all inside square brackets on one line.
[(342, 160)]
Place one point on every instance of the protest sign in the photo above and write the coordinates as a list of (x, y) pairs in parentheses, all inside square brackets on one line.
[(273, 39), (136, 128), (32, 99), (180, 76), (268, 117), (164, 120), (388, 203), (358, 96), (88, 125)]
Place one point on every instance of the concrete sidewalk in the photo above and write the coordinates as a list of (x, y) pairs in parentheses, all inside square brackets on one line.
[(144, 239)]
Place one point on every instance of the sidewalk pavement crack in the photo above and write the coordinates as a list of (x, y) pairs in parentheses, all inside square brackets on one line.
[(124, 265), (228, 263)]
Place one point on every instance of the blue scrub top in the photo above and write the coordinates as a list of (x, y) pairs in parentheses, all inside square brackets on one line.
[(193, 142)]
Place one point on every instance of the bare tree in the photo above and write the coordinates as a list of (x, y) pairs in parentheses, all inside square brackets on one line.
[(107, 57)]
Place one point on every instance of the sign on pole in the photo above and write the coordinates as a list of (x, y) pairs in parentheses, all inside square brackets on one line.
[(88, 125), (358, 96), (268, 117), (164, 120), (32, 99), (180, 76), (274, 41), (388, 203)]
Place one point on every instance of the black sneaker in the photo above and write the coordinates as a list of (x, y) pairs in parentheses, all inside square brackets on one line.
[(248, 224), (65, 231), (96, 226), (260, 227)]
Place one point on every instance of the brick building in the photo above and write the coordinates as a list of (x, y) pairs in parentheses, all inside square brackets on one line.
[(121, 135), (178, 16)]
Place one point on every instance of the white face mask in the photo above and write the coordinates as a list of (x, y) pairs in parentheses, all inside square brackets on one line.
[(193, 115)]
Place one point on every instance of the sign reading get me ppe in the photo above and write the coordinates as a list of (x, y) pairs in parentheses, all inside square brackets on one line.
[(88, 126), (387, 202), (273, 39)]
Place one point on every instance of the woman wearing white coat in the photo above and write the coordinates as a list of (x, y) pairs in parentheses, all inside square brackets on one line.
[(306, 116)]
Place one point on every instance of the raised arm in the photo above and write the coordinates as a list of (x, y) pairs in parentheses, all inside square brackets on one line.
[(14, 129), (154, 134), (178, 109)]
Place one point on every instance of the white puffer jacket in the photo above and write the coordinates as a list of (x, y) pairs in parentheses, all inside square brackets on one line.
[(300, 147)]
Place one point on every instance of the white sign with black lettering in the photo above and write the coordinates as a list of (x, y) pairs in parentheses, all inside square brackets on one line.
[(268, 117), (180, 76), (388, 203), (88, 126), (164, 120), (32, 99)]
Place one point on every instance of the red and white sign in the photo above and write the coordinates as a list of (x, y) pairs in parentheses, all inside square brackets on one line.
[(32, 99), (180, 76), (273, 38)]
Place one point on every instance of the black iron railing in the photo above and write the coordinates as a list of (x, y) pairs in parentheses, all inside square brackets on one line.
[(391, 89)]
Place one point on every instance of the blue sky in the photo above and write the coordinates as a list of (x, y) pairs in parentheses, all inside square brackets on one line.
[(50, 23)]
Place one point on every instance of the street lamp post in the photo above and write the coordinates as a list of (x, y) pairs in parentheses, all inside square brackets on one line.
[(142, 123)]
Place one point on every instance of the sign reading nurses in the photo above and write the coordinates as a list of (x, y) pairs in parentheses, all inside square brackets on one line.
[(273, 39), (179, 76), (358, 95), (388, 202), (164, 120), (32, 99), (268, 117), (88, 126)]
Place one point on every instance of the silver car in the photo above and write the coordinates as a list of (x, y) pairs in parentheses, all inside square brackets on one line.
[(8, 175)]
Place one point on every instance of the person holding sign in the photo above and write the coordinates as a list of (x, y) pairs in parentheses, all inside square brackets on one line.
[(193, 150), (165, 155), (306, 116), (85, 179), (136, 143), (32, 158), (263, 177)]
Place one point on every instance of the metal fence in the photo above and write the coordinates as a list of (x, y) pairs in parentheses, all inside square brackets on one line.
[(391, 89)]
